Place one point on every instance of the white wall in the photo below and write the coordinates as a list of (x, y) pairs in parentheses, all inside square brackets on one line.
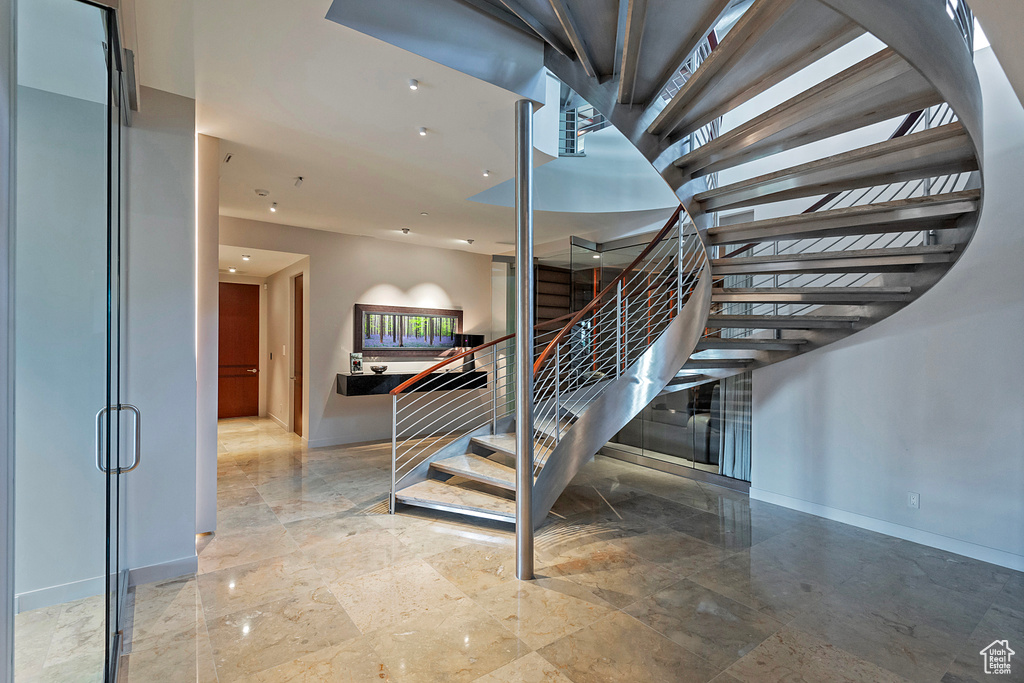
[(345, 270), (161, 328), (207, 322), (60, 269), (929, 400)]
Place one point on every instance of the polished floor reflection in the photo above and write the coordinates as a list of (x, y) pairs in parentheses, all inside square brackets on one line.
[(641, 576)]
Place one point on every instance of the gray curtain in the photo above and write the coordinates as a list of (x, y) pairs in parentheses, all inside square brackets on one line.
[(734, 451)]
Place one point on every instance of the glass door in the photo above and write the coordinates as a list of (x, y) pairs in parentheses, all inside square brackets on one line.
[(74, 439)]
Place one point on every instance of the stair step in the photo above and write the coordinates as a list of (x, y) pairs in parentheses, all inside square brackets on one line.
[(478, 468), (879, 88), (933, 152), (754, 343), (438, 495), (917, 213), (504, 443), (687, 379), (782, 322), (853, 261), (771, 41), (717, 363), (810, 295), (658, 38)]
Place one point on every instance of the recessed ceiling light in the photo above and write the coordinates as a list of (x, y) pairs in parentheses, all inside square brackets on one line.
[(469, 241), (597, 256), (424, 213), (273, 208), (487, 174), (298, 181), (232, 270), (423, 131), (246, 257), (414, 84), (405, 231), (262, 193)]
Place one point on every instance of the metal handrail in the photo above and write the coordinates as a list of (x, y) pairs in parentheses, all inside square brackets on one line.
[(604, 293), (573, 357)]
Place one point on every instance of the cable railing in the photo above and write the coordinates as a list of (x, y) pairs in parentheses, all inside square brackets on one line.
[(932, 117), (574, 125), (575, 358)]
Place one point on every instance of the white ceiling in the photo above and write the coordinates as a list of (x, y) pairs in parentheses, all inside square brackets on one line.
[(292, 94), (261, 263)]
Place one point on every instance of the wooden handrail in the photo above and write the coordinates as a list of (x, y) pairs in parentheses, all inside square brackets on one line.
[(604, 292), (575, 317), (905, 127)]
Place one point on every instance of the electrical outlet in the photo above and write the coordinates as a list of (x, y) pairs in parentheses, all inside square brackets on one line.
[(913, 500)]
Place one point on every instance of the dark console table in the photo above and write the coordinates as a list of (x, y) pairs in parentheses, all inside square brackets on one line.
[(369, 384)]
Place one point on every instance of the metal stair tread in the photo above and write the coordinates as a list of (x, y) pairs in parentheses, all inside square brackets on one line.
[(851, 254), (785, 322), (853, 261), (713, 363), (762, 49), (477, 468), (440, 496), (758, 343), (875, 89), (810, 294), (501, 443), (864, 219), (931, 152)]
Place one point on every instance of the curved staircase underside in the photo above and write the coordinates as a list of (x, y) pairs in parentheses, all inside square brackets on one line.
[(837, 242)]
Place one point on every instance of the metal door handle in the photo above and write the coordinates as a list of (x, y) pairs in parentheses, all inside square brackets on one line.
[(99, 439), (253, 370), (137, 455)]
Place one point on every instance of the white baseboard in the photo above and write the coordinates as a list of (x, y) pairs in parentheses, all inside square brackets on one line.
[(86, 588), (55, 595), (163, 571), (327, 443), (278, 420), (953, 545)]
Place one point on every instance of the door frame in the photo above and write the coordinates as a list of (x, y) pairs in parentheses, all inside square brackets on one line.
[(303, 417), (7, 94)]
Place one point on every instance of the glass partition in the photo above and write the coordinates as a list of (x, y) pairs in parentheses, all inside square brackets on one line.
[(706, 427), (71, 430)]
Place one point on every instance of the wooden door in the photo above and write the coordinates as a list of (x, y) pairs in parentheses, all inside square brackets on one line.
[(239, 351), (297, 357)]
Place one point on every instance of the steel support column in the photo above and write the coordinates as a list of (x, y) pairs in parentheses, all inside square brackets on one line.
[(524, 339)]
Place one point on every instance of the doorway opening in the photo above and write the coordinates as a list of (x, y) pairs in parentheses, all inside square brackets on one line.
[(298, 308), (277, 283)]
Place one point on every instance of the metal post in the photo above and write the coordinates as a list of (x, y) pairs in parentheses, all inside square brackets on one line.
[(558, 393), (524, 340), (679, 265), (618, 328), (394, 450), (494, 390)]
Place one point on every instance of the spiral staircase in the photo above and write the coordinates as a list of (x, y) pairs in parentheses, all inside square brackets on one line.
[(844, 241)]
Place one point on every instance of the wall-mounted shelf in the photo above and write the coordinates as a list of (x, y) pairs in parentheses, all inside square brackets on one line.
[(369, 384)]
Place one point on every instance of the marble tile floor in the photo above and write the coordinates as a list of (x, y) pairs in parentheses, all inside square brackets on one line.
[(641, 576)]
